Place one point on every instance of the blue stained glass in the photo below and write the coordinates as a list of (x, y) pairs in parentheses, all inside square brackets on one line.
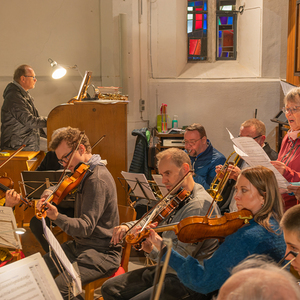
[(204, 24), (220, 34), (189, 26), (205, 6), (191, 3), (205, 16), (198, 3), (204, 32), (223, 20), (230, 20), (220, 51)]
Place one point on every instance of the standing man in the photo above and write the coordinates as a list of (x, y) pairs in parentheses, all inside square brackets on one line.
[(172, 164), (204, 157), (21, 123), (95, 216)]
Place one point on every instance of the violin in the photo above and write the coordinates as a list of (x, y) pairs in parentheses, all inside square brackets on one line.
[(161, 214), (196, 229), (64, 188), (6, 184)]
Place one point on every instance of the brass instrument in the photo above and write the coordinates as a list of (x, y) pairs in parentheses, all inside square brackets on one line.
[(218, 184)]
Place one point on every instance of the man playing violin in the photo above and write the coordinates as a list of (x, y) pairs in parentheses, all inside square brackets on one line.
[(173, 164), (96, 212)]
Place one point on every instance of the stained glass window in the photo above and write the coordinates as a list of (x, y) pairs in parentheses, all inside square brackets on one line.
[(226, 29), (197, 30)]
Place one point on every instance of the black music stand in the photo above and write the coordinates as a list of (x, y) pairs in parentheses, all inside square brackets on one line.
[(35, 182)]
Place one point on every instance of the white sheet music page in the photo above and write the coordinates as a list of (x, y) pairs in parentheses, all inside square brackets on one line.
[(158, 179), (28, 279), (8, 237), (254, 155), (62, 257)]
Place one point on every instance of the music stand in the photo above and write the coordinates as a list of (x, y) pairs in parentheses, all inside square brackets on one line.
[(35, 182)]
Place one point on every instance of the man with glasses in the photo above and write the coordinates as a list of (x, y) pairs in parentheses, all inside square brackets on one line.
[(204, 157), (21, 123), (255, 129), (95, 216)]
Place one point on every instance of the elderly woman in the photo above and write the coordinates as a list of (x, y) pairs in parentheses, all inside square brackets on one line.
[(256, 190), (288, 162)]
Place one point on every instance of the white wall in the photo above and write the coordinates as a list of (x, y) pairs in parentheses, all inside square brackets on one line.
[(88, 33)]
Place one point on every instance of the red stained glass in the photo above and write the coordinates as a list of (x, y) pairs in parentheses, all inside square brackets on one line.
[(198, 25), (195, 47), (227, 38), (199, 17)]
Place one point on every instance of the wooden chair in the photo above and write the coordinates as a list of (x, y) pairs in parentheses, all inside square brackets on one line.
[(126, 214)]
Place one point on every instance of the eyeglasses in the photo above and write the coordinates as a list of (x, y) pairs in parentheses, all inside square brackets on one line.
[(250, 136), (192, 143), (291, 110), (33, 77), (64, 159)]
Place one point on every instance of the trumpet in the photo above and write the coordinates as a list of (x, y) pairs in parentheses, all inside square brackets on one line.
[(218, 184)]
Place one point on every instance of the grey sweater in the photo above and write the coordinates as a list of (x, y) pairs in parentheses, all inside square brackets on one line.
[(96, 210)]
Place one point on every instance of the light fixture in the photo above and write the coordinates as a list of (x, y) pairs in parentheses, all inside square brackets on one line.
[(58, 71), (16, 230)]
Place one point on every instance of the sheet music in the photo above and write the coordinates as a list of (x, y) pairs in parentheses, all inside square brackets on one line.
[(254, 155), (8, 237), (28, 279), (133, 178), (158, 179), (62, 257)]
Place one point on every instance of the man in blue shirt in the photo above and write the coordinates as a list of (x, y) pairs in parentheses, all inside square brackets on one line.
[(204, 157)]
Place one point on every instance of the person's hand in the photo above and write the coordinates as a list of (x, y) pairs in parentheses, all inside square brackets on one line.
[(294, 189), (234, 171), (280, 166), (155, 239), (12, 198), (46, 194), (118, 234), (52, 211)]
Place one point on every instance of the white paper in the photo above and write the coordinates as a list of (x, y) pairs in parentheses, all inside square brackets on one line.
[(8, 236), (28, 279), (254, 155), (62, 256), (158, 179), (139, 185)]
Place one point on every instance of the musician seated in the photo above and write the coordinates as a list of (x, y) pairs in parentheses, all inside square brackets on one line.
[(255, 129), (204, 157), (96, 213), (290, 225), (256, 190), (66, 207), (259, 278), (173, 164)]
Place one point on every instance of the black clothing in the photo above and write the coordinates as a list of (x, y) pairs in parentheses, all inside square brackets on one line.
[(21, 123)]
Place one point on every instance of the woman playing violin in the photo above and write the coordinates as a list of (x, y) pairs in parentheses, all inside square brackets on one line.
[(256, 190)]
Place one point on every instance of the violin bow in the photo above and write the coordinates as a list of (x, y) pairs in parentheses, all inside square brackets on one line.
[(102, 137), (11, 156), (158, 205)]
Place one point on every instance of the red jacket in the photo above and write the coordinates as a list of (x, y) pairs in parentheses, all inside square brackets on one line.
[(290, 155)]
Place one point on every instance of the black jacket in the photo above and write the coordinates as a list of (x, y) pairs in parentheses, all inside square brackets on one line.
[(21, 123)]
